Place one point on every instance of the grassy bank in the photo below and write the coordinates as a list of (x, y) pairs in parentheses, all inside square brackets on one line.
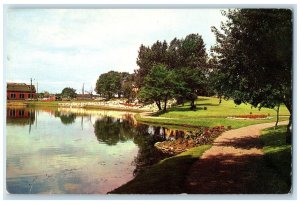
[(275, 173), (214, 109), (114, 108), (166, 177), (208, 122), (55, 104), (42, 103), (215, 114)]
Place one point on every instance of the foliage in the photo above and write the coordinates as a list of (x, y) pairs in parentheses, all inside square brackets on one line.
[(253, 57), (128, 87), (68, 93), (193, 81), (200, 136), (148, 57), (44, 94), (108, 84), (186, 56), (114, 83), (160, 85)]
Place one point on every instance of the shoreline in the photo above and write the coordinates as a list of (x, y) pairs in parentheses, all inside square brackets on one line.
[(59, 104)]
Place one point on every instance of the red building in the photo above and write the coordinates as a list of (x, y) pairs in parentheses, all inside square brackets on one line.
[(20, 91)]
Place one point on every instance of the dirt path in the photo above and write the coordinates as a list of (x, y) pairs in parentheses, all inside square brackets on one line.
[(231, 165)]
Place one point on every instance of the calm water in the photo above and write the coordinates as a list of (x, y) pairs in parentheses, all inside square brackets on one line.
[(77, 150)]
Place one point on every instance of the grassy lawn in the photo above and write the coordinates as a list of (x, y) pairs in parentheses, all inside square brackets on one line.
[(215, 114), (41, 103), (275, 173), (165, 177), (208, 122), (214, 109)]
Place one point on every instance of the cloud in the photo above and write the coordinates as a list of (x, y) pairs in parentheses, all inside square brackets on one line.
[(76, 45)]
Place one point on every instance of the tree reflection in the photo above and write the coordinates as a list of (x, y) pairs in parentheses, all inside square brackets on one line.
[(67, 118), (108, 130), (111, 130), (147, 154)]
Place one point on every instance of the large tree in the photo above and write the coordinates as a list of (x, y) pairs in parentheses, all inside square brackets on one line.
[(127, 87), (253, 57), (187, 53), (108, 84), (148, 57), (193, 81), (68, 93), (161, 84)]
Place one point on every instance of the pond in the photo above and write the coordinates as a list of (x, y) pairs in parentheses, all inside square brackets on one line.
[(77, 151)]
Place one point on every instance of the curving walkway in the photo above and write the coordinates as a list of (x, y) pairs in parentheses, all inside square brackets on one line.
[(231, 164)]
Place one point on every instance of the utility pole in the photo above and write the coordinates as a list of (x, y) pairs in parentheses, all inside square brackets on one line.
[(83, 89)]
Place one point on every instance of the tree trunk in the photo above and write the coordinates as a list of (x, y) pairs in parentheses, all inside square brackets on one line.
[(193, 106), (158, 105), (277, 116), (288, 105), (220, 99), (165, 105)]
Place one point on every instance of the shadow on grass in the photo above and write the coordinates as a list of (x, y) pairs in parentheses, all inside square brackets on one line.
[(247, 142), (160, 179), (268, 173), (207, 104), (277, 152), (229, 174), (166, 177)]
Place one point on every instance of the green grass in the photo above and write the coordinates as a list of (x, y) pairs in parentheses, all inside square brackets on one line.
[(214, 109), (208, 122), (215, 115), (165, 177), (277, 160), (41, 103)]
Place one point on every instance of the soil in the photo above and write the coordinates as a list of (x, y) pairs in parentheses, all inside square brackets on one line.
[(231, 165)]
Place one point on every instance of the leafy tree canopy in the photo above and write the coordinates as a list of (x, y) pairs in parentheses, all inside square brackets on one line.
[(161, 84), (109, 84), (68, 93), (187, 52), (253, 57)]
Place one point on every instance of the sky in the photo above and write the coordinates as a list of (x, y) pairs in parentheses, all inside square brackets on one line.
[(61, 48)]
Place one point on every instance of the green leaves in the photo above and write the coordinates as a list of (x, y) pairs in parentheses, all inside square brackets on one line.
[(68, 93), (253, 56), (160, 85), (111, 84)]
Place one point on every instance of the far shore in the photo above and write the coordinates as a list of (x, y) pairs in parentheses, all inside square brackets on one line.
[(76, 104)]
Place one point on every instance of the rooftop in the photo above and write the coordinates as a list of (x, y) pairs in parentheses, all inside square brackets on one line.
[(20, 87)]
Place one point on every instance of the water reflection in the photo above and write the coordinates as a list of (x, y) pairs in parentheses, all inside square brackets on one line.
[(77, 150), (20, 116), (66, 118)]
